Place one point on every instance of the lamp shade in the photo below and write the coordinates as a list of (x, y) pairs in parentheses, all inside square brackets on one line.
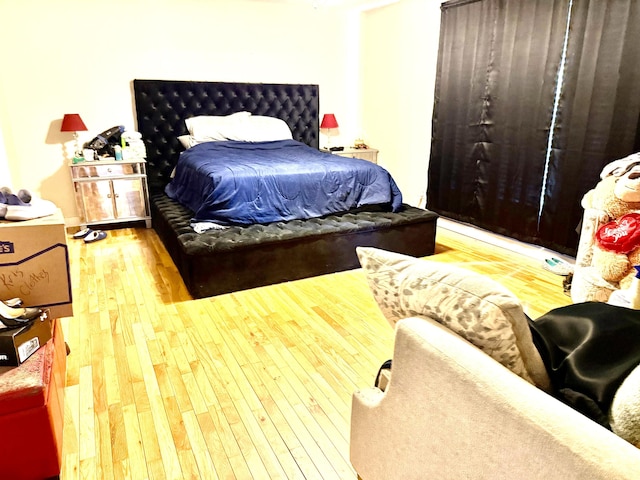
[(329, 121), (71, 122)]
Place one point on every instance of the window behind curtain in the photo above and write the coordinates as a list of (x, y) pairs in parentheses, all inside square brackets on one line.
[(498, 68), (599, 111)]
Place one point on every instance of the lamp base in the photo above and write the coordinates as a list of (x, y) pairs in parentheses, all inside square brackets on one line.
[(78, 156), (329, 145)]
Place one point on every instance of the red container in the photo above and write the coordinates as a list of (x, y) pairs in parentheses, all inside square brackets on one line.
[(32, 412)]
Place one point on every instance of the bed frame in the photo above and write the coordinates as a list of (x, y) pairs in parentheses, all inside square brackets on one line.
[(239, 258)]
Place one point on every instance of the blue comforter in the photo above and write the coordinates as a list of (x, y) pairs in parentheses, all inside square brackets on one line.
[(239, 183)]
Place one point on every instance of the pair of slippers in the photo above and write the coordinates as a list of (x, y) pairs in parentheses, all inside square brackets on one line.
[(557, 266), (90, 236)]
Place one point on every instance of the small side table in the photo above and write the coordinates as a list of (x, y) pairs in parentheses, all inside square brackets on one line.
[(111, 191), (369, 154)]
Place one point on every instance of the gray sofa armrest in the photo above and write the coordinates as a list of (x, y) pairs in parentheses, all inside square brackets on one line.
[(452, 412)]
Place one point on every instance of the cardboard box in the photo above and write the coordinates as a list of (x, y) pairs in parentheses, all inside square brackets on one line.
[(34, 264), (18, 344)]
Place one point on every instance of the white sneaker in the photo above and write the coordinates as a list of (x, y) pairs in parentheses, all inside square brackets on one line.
[(557, 266)]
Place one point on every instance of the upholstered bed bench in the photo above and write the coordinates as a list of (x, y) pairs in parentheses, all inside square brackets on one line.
[(238, 258)]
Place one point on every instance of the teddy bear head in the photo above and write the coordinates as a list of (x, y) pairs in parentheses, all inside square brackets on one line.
[(627, 185), (618, 191)]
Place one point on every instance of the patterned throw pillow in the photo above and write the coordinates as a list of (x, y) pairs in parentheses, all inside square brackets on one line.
[(474, 306)]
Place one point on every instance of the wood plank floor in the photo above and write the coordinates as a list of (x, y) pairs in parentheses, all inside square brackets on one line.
[(254, 384)]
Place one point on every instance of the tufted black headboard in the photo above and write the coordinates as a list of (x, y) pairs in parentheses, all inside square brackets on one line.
[(163, 105)]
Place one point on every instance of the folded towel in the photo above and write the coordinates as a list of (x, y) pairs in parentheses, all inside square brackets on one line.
[(131, 135), (36, 209)]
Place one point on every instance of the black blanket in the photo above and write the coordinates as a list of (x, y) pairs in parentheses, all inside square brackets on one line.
[(588, 349)]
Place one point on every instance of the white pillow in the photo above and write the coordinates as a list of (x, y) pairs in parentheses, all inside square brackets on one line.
[(185, 141), (475, 307), (241, 126), (210, 128), (257, 128)]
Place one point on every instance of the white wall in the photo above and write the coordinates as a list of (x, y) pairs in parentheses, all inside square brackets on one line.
[(5, 174), (79, 56), (398, 65)]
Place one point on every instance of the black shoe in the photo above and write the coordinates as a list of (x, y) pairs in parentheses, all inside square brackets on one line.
[(13, 302), (17, 316)]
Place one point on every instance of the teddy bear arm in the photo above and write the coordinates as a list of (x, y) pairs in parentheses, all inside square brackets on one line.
[(634, 259), (611, 266)]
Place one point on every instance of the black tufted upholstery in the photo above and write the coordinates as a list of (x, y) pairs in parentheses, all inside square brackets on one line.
[(163, 105), (238, 258)]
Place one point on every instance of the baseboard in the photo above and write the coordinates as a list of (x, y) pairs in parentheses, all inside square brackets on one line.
[(533, 251)]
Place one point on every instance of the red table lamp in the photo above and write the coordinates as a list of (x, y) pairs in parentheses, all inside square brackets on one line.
[(329, 126), (71, 122)]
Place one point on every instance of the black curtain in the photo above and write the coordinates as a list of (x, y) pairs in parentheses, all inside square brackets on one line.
[(599, 111), (496, 82)]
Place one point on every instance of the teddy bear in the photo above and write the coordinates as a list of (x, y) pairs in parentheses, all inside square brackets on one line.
[(616, 201)]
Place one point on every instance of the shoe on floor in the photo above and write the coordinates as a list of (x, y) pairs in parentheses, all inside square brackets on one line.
[(557, 266), (94, 236), (82, 233)]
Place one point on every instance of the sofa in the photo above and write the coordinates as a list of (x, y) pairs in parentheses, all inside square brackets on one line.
[(458, 406)]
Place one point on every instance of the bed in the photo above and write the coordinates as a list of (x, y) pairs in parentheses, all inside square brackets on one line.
[(239, 257)]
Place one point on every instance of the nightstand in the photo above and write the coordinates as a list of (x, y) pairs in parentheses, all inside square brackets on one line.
[(370, 154), (110, 191)]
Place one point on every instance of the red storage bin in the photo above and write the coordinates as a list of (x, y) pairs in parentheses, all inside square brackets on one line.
[(32, 412)]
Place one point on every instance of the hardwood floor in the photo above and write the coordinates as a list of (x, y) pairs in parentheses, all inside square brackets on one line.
[(254, 384)]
